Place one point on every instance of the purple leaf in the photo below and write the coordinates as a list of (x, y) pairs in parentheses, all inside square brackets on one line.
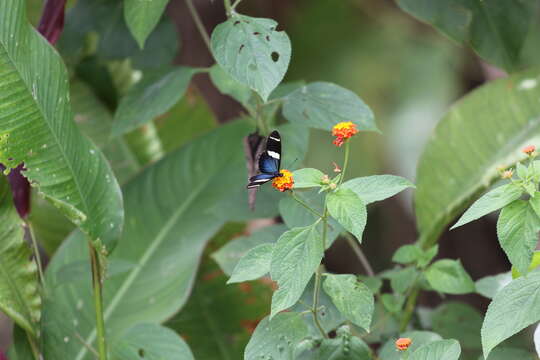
[(51, 23)]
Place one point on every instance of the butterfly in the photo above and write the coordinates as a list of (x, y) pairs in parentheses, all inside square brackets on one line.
[(269, 162)]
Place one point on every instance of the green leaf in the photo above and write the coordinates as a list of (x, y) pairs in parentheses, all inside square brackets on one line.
[(449, 276), (534, 201), (150, 342), (393, 303), (440, 350), (427, 256), (517, 230), (343, 346), (402, 279), (458, 321), (407, 254), (218, 319), (253, 265), (496, 31), (252, 52), (353, 299), (154, 95), (165, 238), (142, 17), (230, 254), (297, 254), (307, 177), (276, 339), (36, 129), (19, 289), (377, 187), (419, 338), (349, 210), (322, 105), (489, 202), (513, 308), (537, 339), (506, 353), (229, 86), (480, 133), (490, 285)]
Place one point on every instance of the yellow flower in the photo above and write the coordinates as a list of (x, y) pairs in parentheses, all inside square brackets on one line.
[(343, 131), (403, 344), (283, 182)]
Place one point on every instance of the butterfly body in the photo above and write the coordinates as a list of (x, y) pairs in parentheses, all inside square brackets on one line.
[(269, 162)]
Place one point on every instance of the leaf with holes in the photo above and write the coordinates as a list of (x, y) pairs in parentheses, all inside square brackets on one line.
[(322, 105), (19, 289), (450, 277), (297, 254), (252, 52), (37, 129), (165, 238), (513, 308), (142, 17), (349, 210), (155, 94), (150, 341), (353, 299), (480, 133), (517, 231)]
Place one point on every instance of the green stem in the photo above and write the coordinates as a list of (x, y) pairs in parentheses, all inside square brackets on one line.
[(235, 4), (315, 307), (260, 121), (228, 7), (360, 254), (313, 211), (33, 346), (345, 163), (409, 308), (98, 302), (198, 22), (36, 252)]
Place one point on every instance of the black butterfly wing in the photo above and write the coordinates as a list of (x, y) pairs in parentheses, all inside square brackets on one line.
[(258, 180), (270, 159)]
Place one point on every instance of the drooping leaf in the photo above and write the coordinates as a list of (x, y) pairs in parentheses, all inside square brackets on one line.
[(343, 347), (517, 230), (351, 297), (349, 210), (165, 238), (155, 94), (496, 31), (19, 290), (142, 17), (458, 321), (228, 256), (450, 277), (513, 308), (37, 129), (419, 338), (489, 202), (252, 52), (296, 256), (322, 105), (480, 133), (440, 350), (276, 338), (377, 187), (307, 177), (150, 342), (490, 285), (254, 264)]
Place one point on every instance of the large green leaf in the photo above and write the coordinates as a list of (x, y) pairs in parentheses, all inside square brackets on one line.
[(19, 289), (142, 17), (450, 277), (353, 299), (483, 131), (37, 129), (496, 30), (252, 52), (253, 265), (343, 347), (296, 256), (517, 230), (377, 187), (490, 285), (322, 105), (458, 321), (513, 308), (440, 350), (151, 342), (164, 237), (349, 210), (155, 94)]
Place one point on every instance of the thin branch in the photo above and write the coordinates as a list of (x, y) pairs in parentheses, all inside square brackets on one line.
[(360, 254), (97, 277), (199, 24), (36, 252), (311, 210)]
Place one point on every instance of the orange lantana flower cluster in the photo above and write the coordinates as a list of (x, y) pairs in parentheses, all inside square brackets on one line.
[(403, 344), (283, 182), (343, 131), (528, 149)]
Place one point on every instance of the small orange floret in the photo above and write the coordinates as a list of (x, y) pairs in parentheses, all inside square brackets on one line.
[(343, 131), (403, 344), (283, 182), (507, 174), (528, 149)]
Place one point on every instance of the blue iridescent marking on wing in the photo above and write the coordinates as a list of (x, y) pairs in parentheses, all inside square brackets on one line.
[(268, 164)]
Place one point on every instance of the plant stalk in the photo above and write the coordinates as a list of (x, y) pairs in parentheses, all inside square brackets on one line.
[(309, 208), (345, 162), (228, 7), (409, 308), (199, 24), (360, 254), (98, 302), (315, 307), (36, 252)]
